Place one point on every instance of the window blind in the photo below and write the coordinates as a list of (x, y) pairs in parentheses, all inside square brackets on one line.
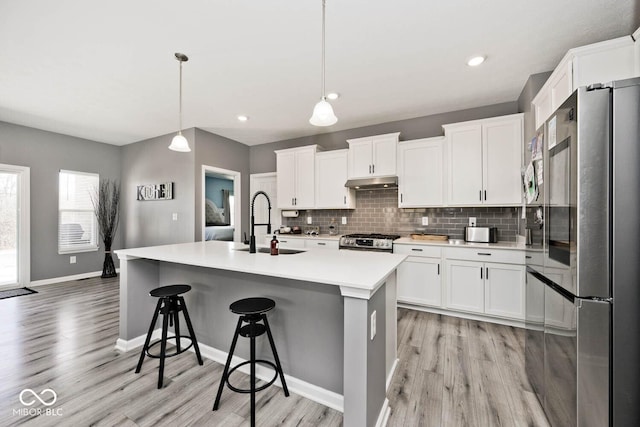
[(77, 226)]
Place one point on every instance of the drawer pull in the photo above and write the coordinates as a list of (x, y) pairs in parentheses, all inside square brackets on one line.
[(484, 253), (321, 243), (527, 256), (416, 249), (284, 241)]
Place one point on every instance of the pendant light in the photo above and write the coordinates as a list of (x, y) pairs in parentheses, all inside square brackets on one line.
[(323, 112), (179, 142)]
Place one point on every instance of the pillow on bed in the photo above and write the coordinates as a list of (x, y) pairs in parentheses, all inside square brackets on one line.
[(213, 214)]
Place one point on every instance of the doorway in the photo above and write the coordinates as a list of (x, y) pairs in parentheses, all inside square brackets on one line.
[(14, 226), (221, 204)]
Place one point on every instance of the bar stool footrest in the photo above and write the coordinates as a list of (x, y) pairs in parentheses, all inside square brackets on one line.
[(262, 387), (182, 349)]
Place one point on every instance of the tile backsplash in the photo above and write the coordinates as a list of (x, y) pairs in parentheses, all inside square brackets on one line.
[(377, 212)]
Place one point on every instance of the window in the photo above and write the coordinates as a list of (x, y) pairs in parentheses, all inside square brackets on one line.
[(77, 226)]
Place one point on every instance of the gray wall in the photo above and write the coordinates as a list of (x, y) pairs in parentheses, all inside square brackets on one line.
[(46, 153), (149, 223), (217, 151), (263, 159)]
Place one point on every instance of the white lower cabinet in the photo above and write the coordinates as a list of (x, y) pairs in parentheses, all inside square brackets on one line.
[(293, 243), (465, 286), (419, 277), (457, 280), (419, 281), (304, 243), (504, 290)]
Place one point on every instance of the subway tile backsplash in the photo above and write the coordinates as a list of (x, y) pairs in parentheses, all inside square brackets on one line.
[(377, 212)]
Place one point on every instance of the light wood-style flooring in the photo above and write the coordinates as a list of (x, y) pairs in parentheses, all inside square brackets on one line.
[(452, 372)]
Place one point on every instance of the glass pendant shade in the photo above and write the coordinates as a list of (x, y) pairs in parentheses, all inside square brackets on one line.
[(179, 143), (323, 114)]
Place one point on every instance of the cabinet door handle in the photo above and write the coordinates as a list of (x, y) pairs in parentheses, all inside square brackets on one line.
[(345, 200), (416, 249), (481, 272), (484, 253), (373, 168), (480, 195), (486, 275), (401, 198), (369, 168), (485, 195), (438, 269)]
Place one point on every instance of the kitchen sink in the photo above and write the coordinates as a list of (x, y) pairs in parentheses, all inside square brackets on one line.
[(282, 251)]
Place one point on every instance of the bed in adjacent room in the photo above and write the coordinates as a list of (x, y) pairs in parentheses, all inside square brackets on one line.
[(217, 223)]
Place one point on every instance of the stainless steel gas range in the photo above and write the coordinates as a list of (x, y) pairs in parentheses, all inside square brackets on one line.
[(368, 242)]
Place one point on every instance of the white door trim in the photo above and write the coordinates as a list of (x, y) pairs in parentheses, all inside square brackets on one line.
[(24, 221), (237, 197)]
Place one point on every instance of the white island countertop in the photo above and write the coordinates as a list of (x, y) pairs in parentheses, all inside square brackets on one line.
[(353, 271)]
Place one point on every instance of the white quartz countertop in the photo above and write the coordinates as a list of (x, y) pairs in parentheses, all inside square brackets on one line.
[(359, 270), (460, 244)]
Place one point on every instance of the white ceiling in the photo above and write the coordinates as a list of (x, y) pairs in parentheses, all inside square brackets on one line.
[(105, 71)]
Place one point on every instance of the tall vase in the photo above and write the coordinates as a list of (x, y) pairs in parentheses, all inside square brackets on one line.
[(108, 268)]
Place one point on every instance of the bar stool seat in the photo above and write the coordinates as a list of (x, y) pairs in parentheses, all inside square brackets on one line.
[(251, 311), (170, 304)]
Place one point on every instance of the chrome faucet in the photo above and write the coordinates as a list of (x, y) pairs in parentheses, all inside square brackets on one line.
[(252, 239)]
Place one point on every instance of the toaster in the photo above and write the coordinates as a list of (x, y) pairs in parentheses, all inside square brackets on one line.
[(481, 234)]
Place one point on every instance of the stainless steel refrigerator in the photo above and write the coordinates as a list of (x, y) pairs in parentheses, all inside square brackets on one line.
[(583, 279)]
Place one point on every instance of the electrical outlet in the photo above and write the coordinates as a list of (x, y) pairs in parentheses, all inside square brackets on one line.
[(309, 220), (425, 220), (174, 216), (373, 325), (472, 221), (72, 259), (344, 220)]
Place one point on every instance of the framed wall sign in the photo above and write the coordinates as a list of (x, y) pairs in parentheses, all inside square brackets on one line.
[(162, 191)]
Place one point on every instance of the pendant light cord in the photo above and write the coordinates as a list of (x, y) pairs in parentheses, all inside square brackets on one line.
[(180, 100), (322, 95)]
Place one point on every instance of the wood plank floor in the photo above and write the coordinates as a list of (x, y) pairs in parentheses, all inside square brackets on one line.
[(452, 372)]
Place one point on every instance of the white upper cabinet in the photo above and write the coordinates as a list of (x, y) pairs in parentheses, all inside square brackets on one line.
[(484, 159), (296, 177), (373, 156), (421, 172), (595, 63), (502, 142), (331, 175)]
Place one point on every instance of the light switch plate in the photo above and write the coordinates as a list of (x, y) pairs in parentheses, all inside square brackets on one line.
[(72, 259), (344, 220), (174, 216), (472, 221)]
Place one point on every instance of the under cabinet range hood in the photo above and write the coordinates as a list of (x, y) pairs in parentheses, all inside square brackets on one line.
[(373, 183)]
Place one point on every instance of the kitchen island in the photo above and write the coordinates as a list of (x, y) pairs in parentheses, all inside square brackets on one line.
[(334, 322)]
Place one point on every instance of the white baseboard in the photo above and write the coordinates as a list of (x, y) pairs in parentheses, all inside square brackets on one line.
[(391, 372), (383, 416), (318, 394), (68, 279)]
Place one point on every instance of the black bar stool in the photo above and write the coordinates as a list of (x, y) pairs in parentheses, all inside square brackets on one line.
[(252, 311), (170, 303)]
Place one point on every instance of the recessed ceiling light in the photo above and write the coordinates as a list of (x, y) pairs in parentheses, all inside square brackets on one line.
[(475, 61), (243, 118), (333, 96)]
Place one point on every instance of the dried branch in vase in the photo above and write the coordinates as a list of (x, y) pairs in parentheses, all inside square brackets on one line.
[(106, 204)]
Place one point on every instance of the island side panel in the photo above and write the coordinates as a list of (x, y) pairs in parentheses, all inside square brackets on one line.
[(364, 359), (137, 278), (391, 326), (307, 323)]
